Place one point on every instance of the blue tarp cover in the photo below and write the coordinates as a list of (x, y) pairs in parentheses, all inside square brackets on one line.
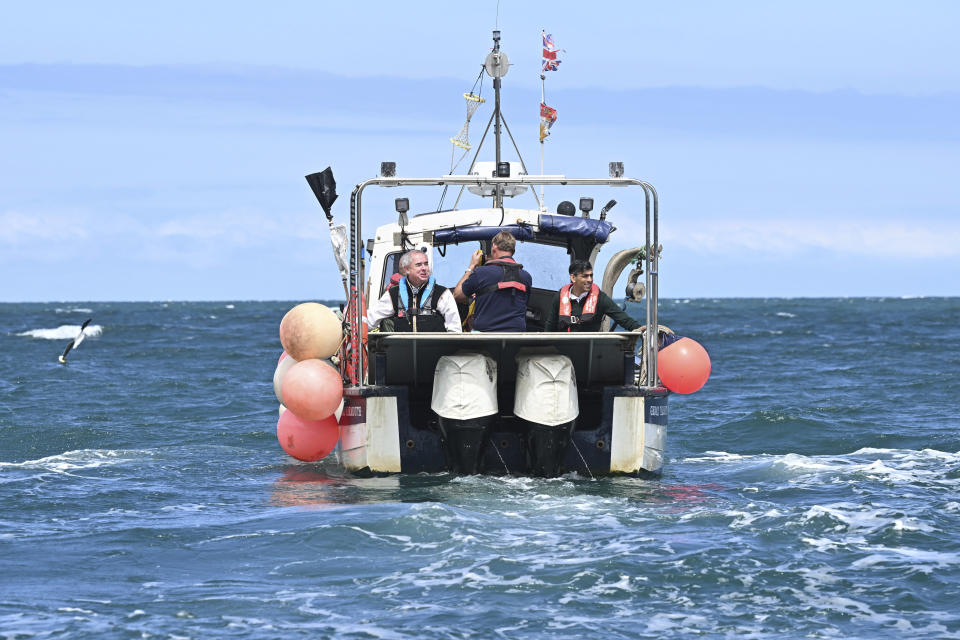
[(599, 230), (475, 232)]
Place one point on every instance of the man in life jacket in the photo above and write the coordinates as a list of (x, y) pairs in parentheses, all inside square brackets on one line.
[(416, 303), (580, 305), (500, 285)]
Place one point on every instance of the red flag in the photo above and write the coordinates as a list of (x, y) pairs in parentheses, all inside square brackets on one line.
[(548, 115)]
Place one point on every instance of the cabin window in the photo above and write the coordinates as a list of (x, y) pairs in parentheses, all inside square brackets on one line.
[(547, 264), (449, 268), (391, 265)]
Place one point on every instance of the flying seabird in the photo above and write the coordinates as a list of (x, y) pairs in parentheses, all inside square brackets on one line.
[(74, 343)]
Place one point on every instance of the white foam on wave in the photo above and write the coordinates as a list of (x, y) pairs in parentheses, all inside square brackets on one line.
[(899, 467), (945, 456), (75, 610), (797, 462), (849, 518), (74, 310), (921, 560), (73, 461), (661, 622), (717, 456), (841, 605), (601, 588), (63, 332), (188, 508), (786, 314)]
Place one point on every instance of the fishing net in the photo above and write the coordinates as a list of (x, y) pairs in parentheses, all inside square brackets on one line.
[(462, 139)]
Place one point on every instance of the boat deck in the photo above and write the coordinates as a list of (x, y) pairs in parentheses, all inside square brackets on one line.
[(411, 358)]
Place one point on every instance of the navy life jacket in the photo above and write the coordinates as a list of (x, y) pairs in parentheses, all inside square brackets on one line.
[(421, 311), (509, 280)]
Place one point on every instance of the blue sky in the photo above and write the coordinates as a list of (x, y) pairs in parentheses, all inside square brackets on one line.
[(158, 151)]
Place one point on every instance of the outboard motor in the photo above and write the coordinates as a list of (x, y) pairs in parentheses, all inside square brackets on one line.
[(465, 400), (546, 399)]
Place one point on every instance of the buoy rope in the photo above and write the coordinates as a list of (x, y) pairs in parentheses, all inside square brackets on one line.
[(642, 373), (502, 461), (585, 465)]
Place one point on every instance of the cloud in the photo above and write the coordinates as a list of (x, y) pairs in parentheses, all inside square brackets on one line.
[(18, 227), (236, 228), (241, 228), (794, 237)]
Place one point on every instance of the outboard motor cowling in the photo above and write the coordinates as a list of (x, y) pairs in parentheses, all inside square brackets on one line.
[(465, 400), (546, 399)]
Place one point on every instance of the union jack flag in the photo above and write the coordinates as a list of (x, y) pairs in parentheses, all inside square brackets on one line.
[(551, 65), (550, 62)]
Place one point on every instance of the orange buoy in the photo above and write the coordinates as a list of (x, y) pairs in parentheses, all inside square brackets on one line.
[(307, 440), (683, 366), (312, 389)]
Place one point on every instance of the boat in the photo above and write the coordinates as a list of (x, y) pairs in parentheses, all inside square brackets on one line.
[(523, 403)]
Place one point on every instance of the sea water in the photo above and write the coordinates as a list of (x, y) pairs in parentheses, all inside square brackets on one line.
[(811, 489)]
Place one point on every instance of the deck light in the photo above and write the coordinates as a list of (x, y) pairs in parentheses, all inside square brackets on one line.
[(388, 169), (586, 205), (402, 205), (616, 169)]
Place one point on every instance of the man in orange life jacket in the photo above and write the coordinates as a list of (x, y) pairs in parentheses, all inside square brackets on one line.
[(416, 303), (501, 287), (580, 305)]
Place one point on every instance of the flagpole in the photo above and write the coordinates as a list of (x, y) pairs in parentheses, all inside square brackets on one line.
[(543, 100)]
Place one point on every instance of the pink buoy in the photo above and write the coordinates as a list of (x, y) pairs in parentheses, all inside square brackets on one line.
[(283, 365), (683, 366), (312, 389), (310, 330), (307, 440)]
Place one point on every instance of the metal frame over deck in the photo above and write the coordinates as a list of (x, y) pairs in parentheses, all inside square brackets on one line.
[(651, 259)]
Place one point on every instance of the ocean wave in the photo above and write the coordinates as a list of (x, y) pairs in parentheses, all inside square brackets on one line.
[(73, 310), (63, 332), (75, 460), (851, 517), (919, 560), (897, 467)]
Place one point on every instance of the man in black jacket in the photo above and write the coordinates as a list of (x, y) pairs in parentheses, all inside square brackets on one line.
[(580, 305)]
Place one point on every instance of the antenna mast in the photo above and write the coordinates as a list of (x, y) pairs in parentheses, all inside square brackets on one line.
[(497, 66)]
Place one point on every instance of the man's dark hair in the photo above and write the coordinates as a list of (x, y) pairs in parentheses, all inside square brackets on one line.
[(580, 266)]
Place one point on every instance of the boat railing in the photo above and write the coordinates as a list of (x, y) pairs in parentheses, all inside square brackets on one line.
[(651, 258)]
